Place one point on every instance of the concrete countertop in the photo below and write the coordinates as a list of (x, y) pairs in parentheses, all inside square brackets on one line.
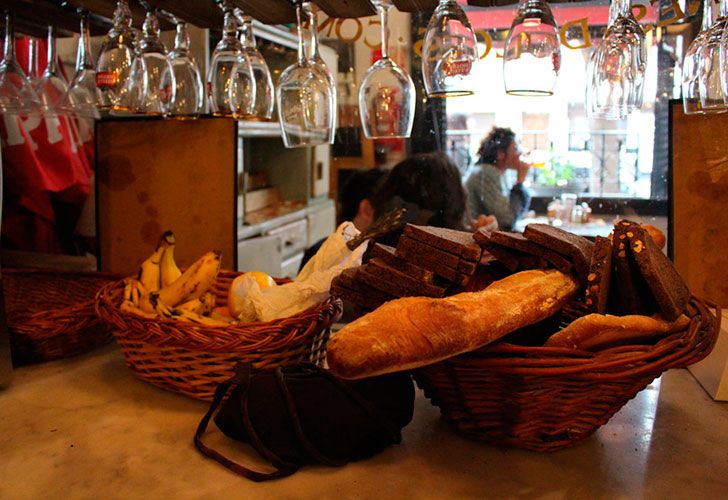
[(87, 428)]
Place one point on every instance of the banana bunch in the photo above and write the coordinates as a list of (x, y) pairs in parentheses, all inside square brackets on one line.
[(161, 289)]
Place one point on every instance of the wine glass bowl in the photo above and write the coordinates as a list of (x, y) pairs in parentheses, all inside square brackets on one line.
[(616, 69), (52, 86), (154, 63), (115, 60), (710, 72), (387, 93), (305, 99), (230, 67), (253, 62), (17, 95), (449, 52), (387, 101), (532, 54), (181, 91)]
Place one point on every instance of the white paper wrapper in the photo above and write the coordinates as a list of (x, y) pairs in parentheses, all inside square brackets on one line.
[(311, 286)]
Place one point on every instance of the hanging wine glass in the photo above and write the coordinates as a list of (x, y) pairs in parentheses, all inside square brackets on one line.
[(387, 93), (449, 52), (154, 64), (691, 60), (227, 54), (305, 99), (52, 85), (311, 48), (532, 54), (17, 95), (181, 89), (132, 99), (80, 100), (115, 60), (617, 66), (264, 101), (709, 65)]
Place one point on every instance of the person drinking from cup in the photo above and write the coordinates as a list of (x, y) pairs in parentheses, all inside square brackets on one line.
[(489, 193)]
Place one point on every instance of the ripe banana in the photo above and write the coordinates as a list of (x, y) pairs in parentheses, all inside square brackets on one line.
[(208, 303), (167, 265), (203, 320), (195, 305), (127, 306), (160, 307), (194, 282), (149, 272)]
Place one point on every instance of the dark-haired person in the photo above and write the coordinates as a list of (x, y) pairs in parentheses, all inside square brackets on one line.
[(488, 191), (354, 203), (430, 187)]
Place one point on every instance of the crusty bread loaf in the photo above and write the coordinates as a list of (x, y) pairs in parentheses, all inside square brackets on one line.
[(598, 331), (416, 331)]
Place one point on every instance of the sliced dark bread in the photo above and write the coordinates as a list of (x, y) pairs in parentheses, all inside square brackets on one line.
[(482, 236), (348, 279), (558, 261), (425, 252), (505, 256), (570, 245), (355, 297), (630, 292), (517, 241), (371, 277), (668, 287), (451, 240), (378, 267), (600, 274), (386, 253), (430, 258)]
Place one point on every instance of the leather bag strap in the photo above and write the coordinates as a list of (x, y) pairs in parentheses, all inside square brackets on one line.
[(241, 378)]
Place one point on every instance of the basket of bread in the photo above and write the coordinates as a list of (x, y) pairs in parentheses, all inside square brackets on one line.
[(51, 314), (184, 330), (530, 340)]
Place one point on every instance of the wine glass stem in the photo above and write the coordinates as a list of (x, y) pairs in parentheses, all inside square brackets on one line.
[(51, 64), (83, 56), (299, 29), (383, 14), (619, 8), (9, 53), (311, 15)]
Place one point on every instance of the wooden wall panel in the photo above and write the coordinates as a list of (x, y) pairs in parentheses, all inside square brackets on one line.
[(154, 175), (699, 183)]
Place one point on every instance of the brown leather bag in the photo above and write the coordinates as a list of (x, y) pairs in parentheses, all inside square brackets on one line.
[(302, 415)]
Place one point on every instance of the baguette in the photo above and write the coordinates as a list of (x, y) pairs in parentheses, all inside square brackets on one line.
[(598, 331), (416, 331)]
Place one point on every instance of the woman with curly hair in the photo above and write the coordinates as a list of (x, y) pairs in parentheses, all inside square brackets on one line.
[(487, 187)]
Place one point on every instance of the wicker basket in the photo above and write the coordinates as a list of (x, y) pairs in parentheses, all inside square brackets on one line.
[(544, 399), (192, 359), (51, 314)]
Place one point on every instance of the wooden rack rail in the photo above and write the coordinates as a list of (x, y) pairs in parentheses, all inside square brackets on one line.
[(33, 16)]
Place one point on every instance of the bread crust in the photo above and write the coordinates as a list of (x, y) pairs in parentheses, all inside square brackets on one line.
[(599, 331), (416, 331)]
